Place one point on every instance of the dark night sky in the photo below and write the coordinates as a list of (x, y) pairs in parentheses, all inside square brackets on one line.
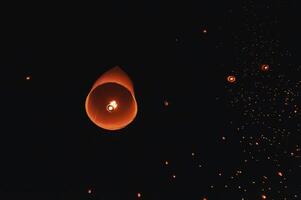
[(221, 140)]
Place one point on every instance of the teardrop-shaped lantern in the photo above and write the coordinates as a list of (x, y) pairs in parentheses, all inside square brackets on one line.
[(111, 103)]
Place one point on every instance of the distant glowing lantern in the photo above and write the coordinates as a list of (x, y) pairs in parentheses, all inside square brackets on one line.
[(166, 103), (231, 79), (265, 67)]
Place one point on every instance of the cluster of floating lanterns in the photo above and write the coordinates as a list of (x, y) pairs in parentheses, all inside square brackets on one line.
[(111, 103), (263, 68)]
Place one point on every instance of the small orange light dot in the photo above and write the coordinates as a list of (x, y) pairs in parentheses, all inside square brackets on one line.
[(263, 196), (231, 79), (166, 103), (89, 191), (265, 67), (28, 78), (139, 195)]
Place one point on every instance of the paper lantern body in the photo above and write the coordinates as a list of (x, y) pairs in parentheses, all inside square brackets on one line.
[(111, 103)]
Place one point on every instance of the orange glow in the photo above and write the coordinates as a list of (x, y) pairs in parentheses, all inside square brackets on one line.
[(111, 103), (265, 67), (263, 196), (231, 79), (112, 106)]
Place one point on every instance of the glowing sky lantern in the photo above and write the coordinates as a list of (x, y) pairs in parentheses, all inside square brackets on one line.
[(265, 67), (111, 103), (231, 79)]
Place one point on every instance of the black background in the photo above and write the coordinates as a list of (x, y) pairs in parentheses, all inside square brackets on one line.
[(51, 150)]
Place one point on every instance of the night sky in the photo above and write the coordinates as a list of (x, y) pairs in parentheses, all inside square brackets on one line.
[(219, 119)]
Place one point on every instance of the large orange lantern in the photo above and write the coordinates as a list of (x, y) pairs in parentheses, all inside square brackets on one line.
[(111, 103)]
